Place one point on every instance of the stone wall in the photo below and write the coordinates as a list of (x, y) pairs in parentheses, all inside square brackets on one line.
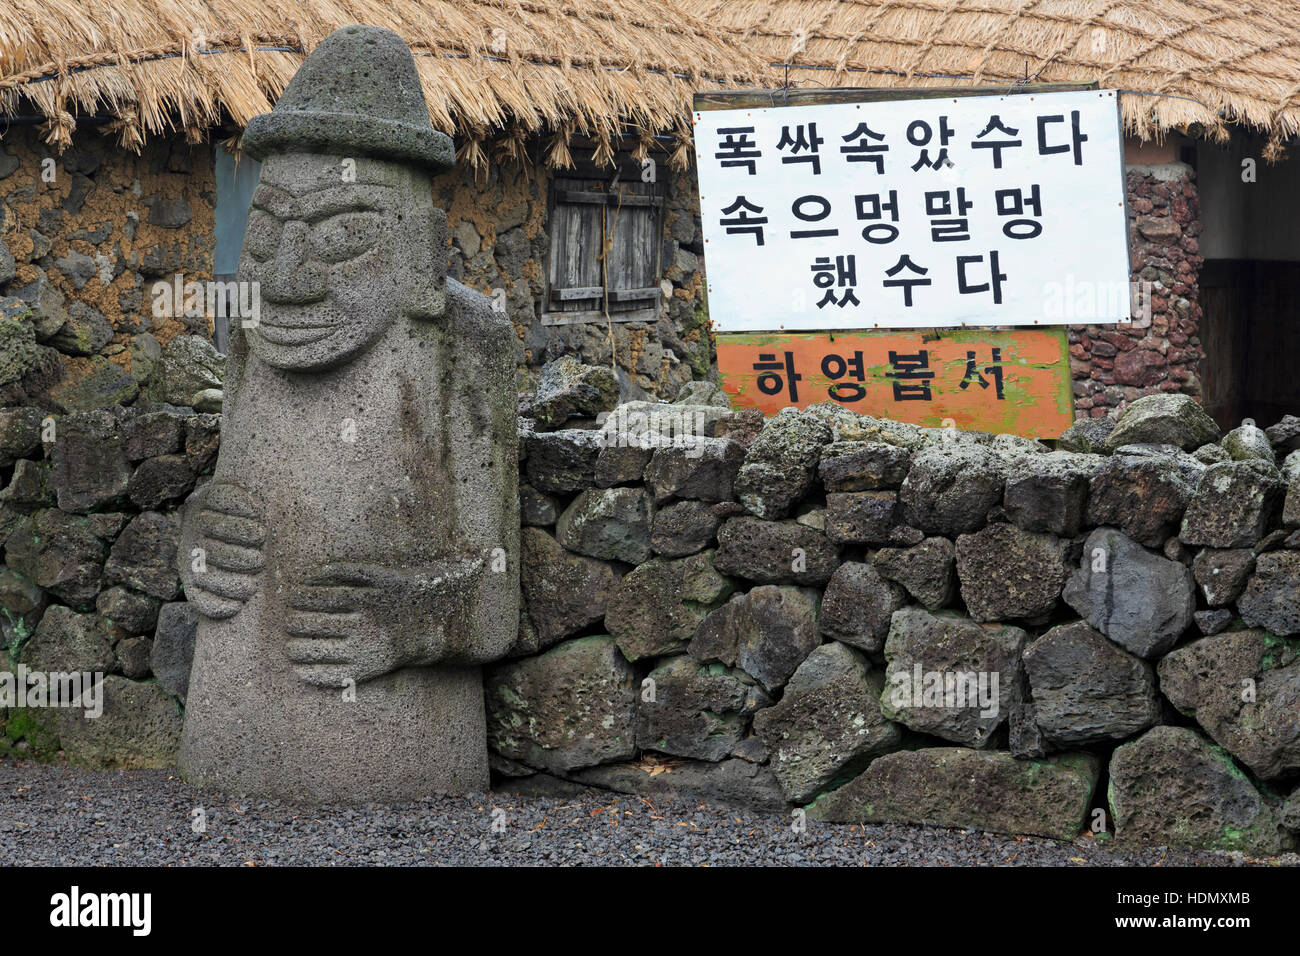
[(879, 622), (85, 237), (1111, 366)]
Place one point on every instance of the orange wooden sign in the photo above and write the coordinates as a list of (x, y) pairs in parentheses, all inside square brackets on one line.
[(994, 380)]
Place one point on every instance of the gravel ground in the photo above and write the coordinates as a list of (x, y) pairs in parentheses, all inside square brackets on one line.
[(56, 815)]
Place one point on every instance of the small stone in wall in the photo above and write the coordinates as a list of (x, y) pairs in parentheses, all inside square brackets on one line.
[(704, 470), (858, 604), (1048, 492), (861, 517), (172, 653), (658, 605), (1143, 496), (60, 553), (89, 459), (1269, 600), (828, 723), (570, 707), (1007, 573), (863, 466), (562, 462), (1242, 688), (1140, 600), (696, 710), (608, 523), (1235, 504), (950, 489), (779, 466), (1222, 574), (957, 787), (1170, 787), (68, 641), (188, 364), (1168, 419), (563, 592), (683, 528), (20, 434), (144, 556), (140, 728), (132, 611), (776, 629), (1086, 690), (775, 552), (949, 676), (536, 509), (1247, 441), (927, 570), (735, 782), (569, 389)]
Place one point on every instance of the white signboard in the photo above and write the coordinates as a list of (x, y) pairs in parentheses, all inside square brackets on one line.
[(925, 213)]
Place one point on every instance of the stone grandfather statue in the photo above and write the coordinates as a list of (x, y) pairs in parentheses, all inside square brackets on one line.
[(355, 557)]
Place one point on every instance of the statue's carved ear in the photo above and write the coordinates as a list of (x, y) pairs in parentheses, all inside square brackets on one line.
[(428, 298)]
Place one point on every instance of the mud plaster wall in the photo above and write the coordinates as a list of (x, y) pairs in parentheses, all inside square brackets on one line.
[(497, 231), (97, 234)]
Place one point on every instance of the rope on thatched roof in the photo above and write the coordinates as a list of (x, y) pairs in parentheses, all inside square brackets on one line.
[(491, 69), (1200, 64)]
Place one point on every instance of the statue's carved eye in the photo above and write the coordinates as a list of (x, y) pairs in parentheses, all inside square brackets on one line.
[(345, 236), (262, 237)]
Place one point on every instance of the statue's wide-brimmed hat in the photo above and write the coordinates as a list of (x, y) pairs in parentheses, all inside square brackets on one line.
[(357, 94)]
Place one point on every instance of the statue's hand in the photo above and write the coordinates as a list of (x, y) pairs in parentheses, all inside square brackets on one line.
[(354, 622), (225, 524)]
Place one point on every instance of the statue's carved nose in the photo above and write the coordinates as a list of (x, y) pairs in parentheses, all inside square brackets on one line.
[(294, 277)]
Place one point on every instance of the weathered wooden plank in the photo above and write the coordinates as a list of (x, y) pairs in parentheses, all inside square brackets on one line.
[(578, 292)]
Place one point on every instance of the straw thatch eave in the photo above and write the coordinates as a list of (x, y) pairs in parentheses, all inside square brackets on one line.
[(491, 69), (1199, 65)]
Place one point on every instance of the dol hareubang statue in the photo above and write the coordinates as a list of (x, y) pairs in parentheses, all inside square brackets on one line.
[(355, 557)]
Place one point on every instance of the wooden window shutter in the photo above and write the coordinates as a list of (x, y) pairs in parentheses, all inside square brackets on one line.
[(625, 220)]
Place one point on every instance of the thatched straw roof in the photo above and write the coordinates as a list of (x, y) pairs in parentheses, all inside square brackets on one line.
[(490, 68), (1182, 62)]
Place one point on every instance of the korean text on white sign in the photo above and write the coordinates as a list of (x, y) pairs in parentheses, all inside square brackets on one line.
[(925, 213)]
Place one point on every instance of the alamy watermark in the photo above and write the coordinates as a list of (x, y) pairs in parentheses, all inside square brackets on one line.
[(666, 428), (948, 689), (41, 690), (219, 300)]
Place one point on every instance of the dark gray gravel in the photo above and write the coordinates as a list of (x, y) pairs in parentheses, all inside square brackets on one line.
[(55, 815)]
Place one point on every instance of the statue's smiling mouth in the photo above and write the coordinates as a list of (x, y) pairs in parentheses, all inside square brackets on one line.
[(294, 334)]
